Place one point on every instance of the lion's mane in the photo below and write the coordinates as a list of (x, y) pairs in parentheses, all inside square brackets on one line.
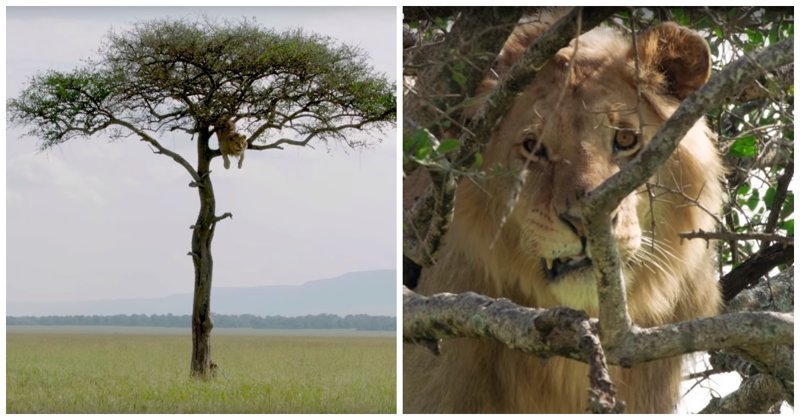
[(570, 130)]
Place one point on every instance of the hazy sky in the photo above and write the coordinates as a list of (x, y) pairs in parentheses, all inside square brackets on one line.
[(93, 219)]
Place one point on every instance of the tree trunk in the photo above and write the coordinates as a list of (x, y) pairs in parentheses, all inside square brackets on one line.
[(202, 235)]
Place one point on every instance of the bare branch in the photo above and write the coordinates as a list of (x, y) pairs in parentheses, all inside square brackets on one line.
[(602, 394), (778, 199), (223, 217), (754, 268), (161, 149), (310, 136), (550, 332), (775, 293), (731, 236), (756, 394)]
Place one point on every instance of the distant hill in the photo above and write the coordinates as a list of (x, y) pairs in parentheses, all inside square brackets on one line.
[(364, 292)]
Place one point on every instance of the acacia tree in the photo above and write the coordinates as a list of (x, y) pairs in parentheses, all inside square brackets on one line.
[(287, 89), (748, 101)]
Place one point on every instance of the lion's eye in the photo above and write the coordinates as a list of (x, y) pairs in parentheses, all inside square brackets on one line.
[(626, 141), (533, 149)]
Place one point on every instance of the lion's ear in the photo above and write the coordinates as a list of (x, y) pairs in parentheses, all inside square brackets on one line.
[(679, 55)]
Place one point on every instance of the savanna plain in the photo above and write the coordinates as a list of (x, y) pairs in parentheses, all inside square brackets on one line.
[(123, 370)]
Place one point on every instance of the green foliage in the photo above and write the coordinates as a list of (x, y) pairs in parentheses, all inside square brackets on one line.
[(421, 148), (60, 372), (744, 147), (172, 74), (61, 106)]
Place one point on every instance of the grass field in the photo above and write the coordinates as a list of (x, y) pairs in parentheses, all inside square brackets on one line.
[(141, 372)]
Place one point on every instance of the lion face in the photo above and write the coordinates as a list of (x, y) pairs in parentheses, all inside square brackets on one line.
[(517, 233), (579, 122)]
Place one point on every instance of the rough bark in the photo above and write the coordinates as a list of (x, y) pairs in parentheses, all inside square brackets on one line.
[(558, 331), (762, 340), (202, 235), (752, 269), (757, 394)]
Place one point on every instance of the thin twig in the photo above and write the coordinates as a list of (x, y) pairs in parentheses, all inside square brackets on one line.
[(732, 236)]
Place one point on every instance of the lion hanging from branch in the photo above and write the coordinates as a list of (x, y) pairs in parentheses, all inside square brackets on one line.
[(231, 143), (587, 113)]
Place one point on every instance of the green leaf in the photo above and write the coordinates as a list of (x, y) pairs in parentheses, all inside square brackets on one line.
[(423, 152), (457, 73), (448, 145), (788, 225), (755, 37), (441, 23), (680, 16), (773, 35), (752, 202), (460, 79), (478, 160), (769, 196), (744, 147), (743, 189), (414, 141)]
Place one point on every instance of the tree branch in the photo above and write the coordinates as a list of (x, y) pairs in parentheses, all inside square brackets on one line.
[(775, 293), (310, 136), (756, 394), (558, 331), (223, 217), (752, 269), (779, 198), (731, 236), (161, 149), (602, 393)]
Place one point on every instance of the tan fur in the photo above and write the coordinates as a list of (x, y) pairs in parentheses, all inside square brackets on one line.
[(231, 143), (667, 281)]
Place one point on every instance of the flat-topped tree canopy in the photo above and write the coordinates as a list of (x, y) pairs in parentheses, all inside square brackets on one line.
[(186, 75)]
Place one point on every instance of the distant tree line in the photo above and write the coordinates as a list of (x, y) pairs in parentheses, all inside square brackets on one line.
[(320, 321)]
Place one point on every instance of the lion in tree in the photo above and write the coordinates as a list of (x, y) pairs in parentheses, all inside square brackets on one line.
[(231, 143), (575, 125)]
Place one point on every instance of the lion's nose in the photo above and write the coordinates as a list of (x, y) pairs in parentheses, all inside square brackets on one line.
[(576, 225)]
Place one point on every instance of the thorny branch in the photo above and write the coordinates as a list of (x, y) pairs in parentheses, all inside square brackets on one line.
[(728, 236)]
